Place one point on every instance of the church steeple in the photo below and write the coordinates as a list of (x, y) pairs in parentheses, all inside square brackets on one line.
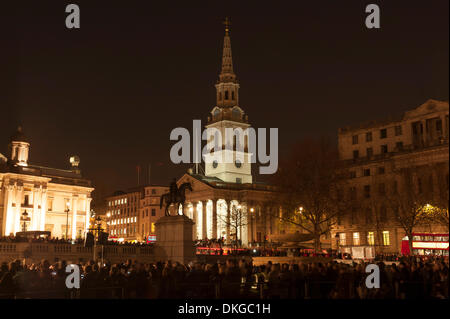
[(227, 86)]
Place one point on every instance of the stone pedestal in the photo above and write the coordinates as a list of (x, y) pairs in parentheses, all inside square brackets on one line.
[(174, 239)]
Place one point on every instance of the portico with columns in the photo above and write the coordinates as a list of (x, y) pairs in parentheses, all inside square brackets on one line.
[(37, 198), (219, 210)]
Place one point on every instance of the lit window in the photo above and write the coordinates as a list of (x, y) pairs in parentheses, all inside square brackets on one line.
[(386, 241), (356, 239), (370, 238), (153, 228), (342, 239), (355, 139)]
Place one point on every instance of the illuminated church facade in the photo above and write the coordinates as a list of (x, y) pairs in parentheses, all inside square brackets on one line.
[(38, 198), (226, 202)]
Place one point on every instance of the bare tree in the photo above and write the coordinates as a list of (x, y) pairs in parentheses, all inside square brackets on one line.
[(441, 198), (236, 221), (410, 198), (309, 184)]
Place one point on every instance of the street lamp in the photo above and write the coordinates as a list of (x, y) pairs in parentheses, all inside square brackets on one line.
[(337, 243), (24, 218)]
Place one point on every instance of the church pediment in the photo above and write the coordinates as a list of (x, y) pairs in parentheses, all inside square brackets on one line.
[(197, 184)]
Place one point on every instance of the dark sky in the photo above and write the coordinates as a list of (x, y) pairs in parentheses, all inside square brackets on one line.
[(112, 91)]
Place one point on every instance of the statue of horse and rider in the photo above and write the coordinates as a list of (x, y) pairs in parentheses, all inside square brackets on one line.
[(176, 196)]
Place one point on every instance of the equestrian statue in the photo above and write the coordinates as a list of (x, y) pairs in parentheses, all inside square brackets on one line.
[(176, 196)]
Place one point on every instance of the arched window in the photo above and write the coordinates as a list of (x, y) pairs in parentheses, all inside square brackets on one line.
[(236, 114), (216, 114), (226, 95)]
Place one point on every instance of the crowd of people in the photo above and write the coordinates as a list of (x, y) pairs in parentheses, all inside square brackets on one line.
[(235, 278)]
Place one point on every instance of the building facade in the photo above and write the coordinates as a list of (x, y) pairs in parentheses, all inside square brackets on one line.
[(377, 156), (122, 213), (225, 202), (37, 198), (150, 211)]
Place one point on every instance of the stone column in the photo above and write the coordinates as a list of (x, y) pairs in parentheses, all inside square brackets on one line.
[(204, 220), (35, 217), (214, 218), (87, 209), (9, 223), (228, 220), (43, 209), (194, 219), (19, 194), (74, 216)]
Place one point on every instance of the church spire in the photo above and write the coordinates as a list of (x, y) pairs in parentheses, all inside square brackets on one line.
[(227, 87), (227, 74)]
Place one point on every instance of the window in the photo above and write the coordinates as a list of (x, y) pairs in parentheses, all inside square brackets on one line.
[(153, 212), (399, 146), (395, 187), (369, 151), (369, 137), (367, 191), (356, 239), (153, 228), (381, 170), (398, 130), (367, 172), (384, 149), (27, 200), (342, 239), (232, 95), (383, 133), (153, 191), (383, 214), (353, 193), (368, 216), (370, 238), (238, 180), (352, 174), (419, 185), (355, 139), (355, 154), (439, 125), (386, 241), (226, 95), (146, 212), (382, 189)]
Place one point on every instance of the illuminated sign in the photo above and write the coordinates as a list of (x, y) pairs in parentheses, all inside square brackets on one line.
[(151, 238), (430, 245)]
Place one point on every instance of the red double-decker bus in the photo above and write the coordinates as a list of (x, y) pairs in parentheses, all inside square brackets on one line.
[(427, 244)]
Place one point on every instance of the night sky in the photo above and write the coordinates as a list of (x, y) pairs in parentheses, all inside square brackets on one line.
[(112, 91)]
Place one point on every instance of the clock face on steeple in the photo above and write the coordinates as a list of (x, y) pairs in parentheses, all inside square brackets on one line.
[(238, 163)]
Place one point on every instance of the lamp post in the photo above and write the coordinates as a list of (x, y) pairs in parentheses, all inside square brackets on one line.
[(252, 210), (97, 227), (24, 218), (337, 243)]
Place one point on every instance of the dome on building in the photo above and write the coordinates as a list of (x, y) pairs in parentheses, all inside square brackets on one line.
[(18, 136)]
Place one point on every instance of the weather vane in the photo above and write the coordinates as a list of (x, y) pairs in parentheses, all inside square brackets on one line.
[(227, 24)]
